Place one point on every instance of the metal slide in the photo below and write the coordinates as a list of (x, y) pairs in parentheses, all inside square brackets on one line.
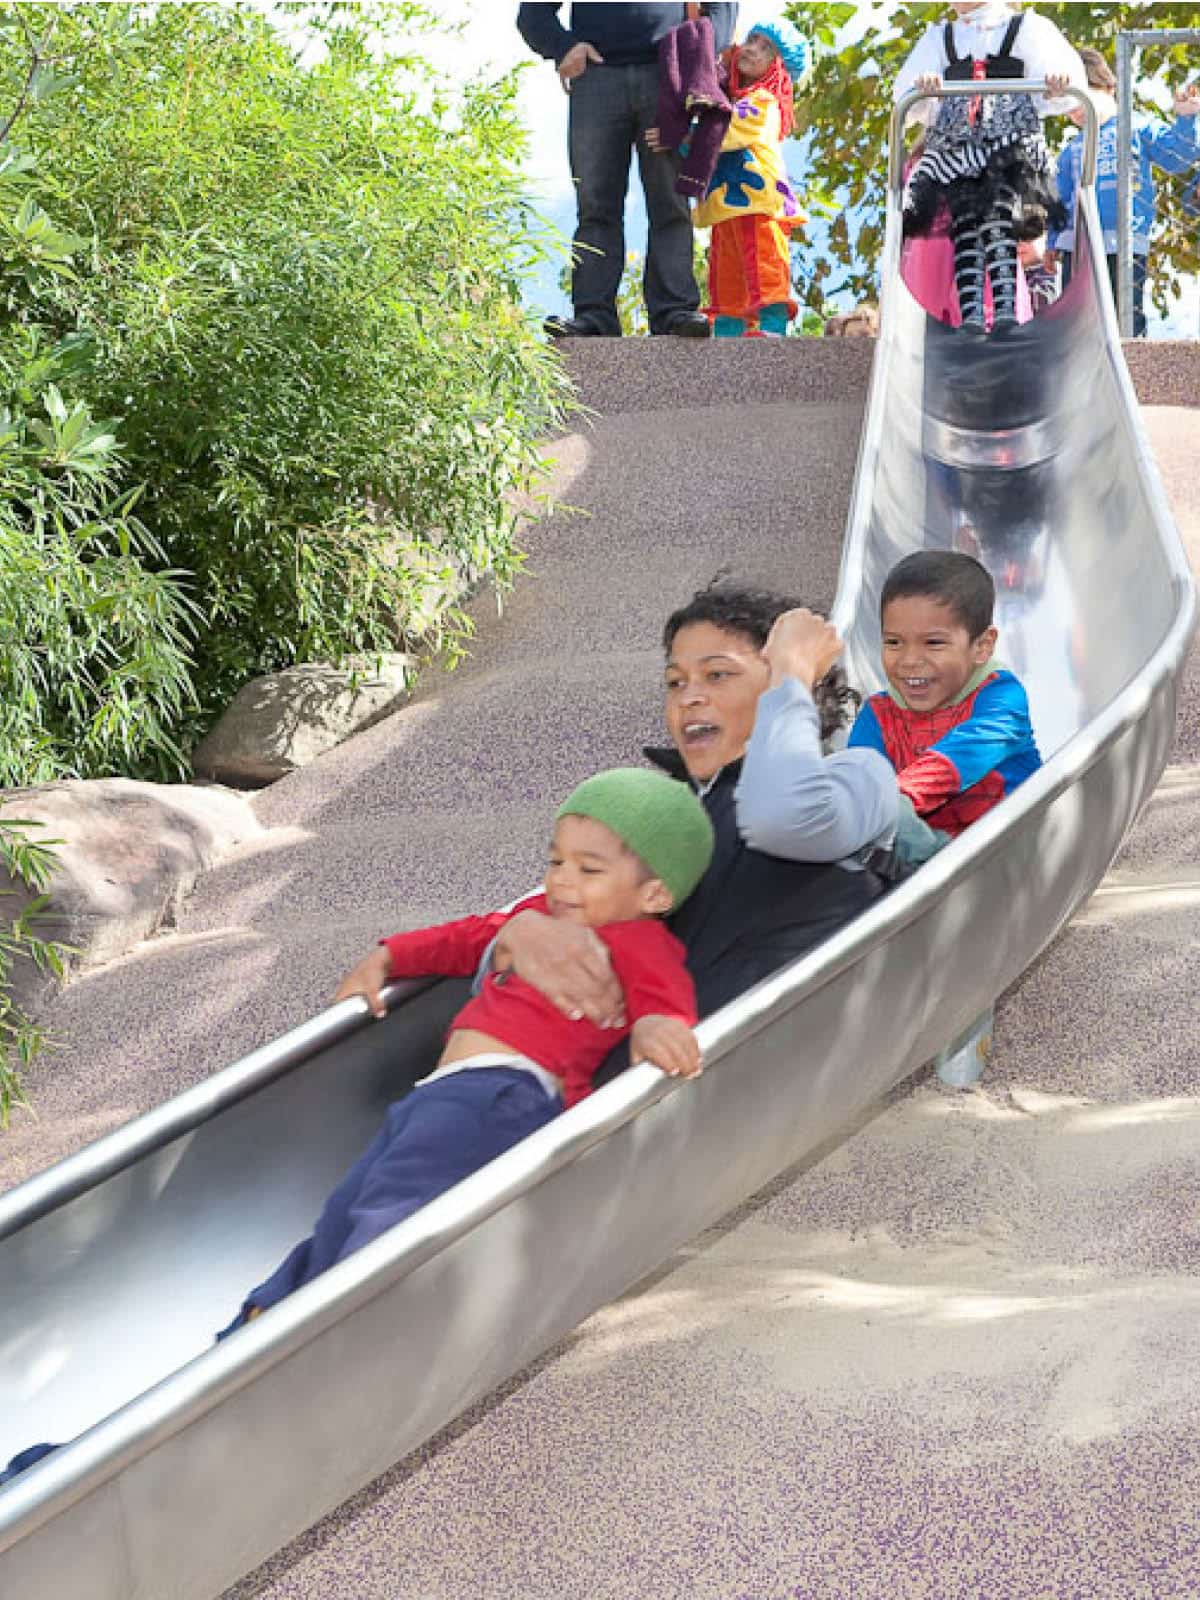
[(191, 1462)]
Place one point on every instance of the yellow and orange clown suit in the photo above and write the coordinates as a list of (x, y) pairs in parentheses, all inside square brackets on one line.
[(751, 208)]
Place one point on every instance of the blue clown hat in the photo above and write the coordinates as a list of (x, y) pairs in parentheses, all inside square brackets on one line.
[(791, 44)]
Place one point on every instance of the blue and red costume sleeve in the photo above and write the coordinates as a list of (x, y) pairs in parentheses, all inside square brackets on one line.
[(866, 732), (955, 763), (997, 728)]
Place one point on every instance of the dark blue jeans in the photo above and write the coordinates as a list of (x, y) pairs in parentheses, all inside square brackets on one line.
[(611, 108), (437, 1135)]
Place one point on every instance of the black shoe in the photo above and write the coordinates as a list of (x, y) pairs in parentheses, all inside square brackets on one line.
[(687, 325), (574, 328), (26, 1459)]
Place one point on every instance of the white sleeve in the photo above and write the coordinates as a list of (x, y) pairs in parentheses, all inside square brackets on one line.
[(929, 55), (1047, 53)]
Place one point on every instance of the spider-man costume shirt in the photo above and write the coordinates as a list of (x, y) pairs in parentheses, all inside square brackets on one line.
[(957, 762)]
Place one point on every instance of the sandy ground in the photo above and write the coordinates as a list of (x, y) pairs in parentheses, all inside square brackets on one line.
[(956, 1356)]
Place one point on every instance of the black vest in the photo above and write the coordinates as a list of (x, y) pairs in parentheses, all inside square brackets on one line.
[(961, 69)]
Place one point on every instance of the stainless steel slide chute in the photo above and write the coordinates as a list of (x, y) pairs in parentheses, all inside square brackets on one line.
[(191, 1462)]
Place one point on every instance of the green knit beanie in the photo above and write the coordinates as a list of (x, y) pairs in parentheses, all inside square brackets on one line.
[(658, 818)]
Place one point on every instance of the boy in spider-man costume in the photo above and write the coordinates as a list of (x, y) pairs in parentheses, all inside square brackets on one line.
[(954, 723)]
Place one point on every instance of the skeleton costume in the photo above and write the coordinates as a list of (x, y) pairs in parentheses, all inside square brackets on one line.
[(986, 157)]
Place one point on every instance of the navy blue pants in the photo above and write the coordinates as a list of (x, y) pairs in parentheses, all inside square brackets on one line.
[(437, 1135), (25, 1459)]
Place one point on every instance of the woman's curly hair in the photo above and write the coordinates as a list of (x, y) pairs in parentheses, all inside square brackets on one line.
[(751, 613)]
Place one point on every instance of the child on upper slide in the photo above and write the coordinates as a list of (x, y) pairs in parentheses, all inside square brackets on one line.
[(1040, 274), (750, 205), (985, 156), (927, 267), (954, 723)]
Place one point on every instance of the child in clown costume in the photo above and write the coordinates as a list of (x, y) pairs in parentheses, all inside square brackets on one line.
[(750, 205)]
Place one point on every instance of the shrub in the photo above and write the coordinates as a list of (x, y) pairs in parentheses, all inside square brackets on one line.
[(94, 657), (302, 302), (94, 662), (289, 269), (28, 862)]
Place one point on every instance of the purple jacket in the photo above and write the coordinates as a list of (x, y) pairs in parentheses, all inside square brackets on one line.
[(690, 91)]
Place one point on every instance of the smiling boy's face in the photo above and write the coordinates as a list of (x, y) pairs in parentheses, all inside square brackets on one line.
[(928, 654), (594, 879)]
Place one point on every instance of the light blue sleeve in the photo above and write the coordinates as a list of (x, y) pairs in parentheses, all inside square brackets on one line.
[(795, 802), (484, 969), (1067, 179), (1174, 147)]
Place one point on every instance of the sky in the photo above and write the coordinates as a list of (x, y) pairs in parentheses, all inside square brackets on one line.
[(490, 43)]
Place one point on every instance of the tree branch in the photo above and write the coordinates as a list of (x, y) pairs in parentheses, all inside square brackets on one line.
[(36, 60)]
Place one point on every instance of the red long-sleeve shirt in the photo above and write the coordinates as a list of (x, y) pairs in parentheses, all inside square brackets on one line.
[(647, 959)]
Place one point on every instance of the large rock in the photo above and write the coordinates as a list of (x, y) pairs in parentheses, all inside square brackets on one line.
[(127, 855), (286, 719)]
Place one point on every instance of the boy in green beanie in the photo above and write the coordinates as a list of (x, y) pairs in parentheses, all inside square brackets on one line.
[(629, 846)]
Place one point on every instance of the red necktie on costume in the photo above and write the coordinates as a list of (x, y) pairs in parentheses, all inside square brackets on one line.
[(978, 73)]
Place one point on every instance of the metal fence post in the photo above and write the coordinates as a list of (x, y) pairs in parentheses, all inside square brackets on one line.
[(1126, 59), (1128, 45)]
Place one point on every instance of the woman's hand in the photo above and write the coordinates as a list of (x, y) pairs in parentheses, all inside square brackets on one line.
[(564, 961), (668, 1044), (368, 979), (1057, 82), (1187, 101), (576, 62), (801, 645), (654, 141), (927, 83)]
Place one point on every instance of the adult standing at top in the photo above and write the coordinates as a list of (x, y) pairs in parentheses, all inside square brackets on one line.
[(607, 60)]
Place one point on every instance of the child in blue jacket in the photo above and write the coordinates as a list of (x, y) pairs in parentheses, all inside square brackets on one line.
[(1171, 147)]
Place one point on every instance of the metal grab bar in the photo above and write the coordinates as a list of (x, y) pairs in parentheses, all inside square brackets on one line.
[(956, 91)]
